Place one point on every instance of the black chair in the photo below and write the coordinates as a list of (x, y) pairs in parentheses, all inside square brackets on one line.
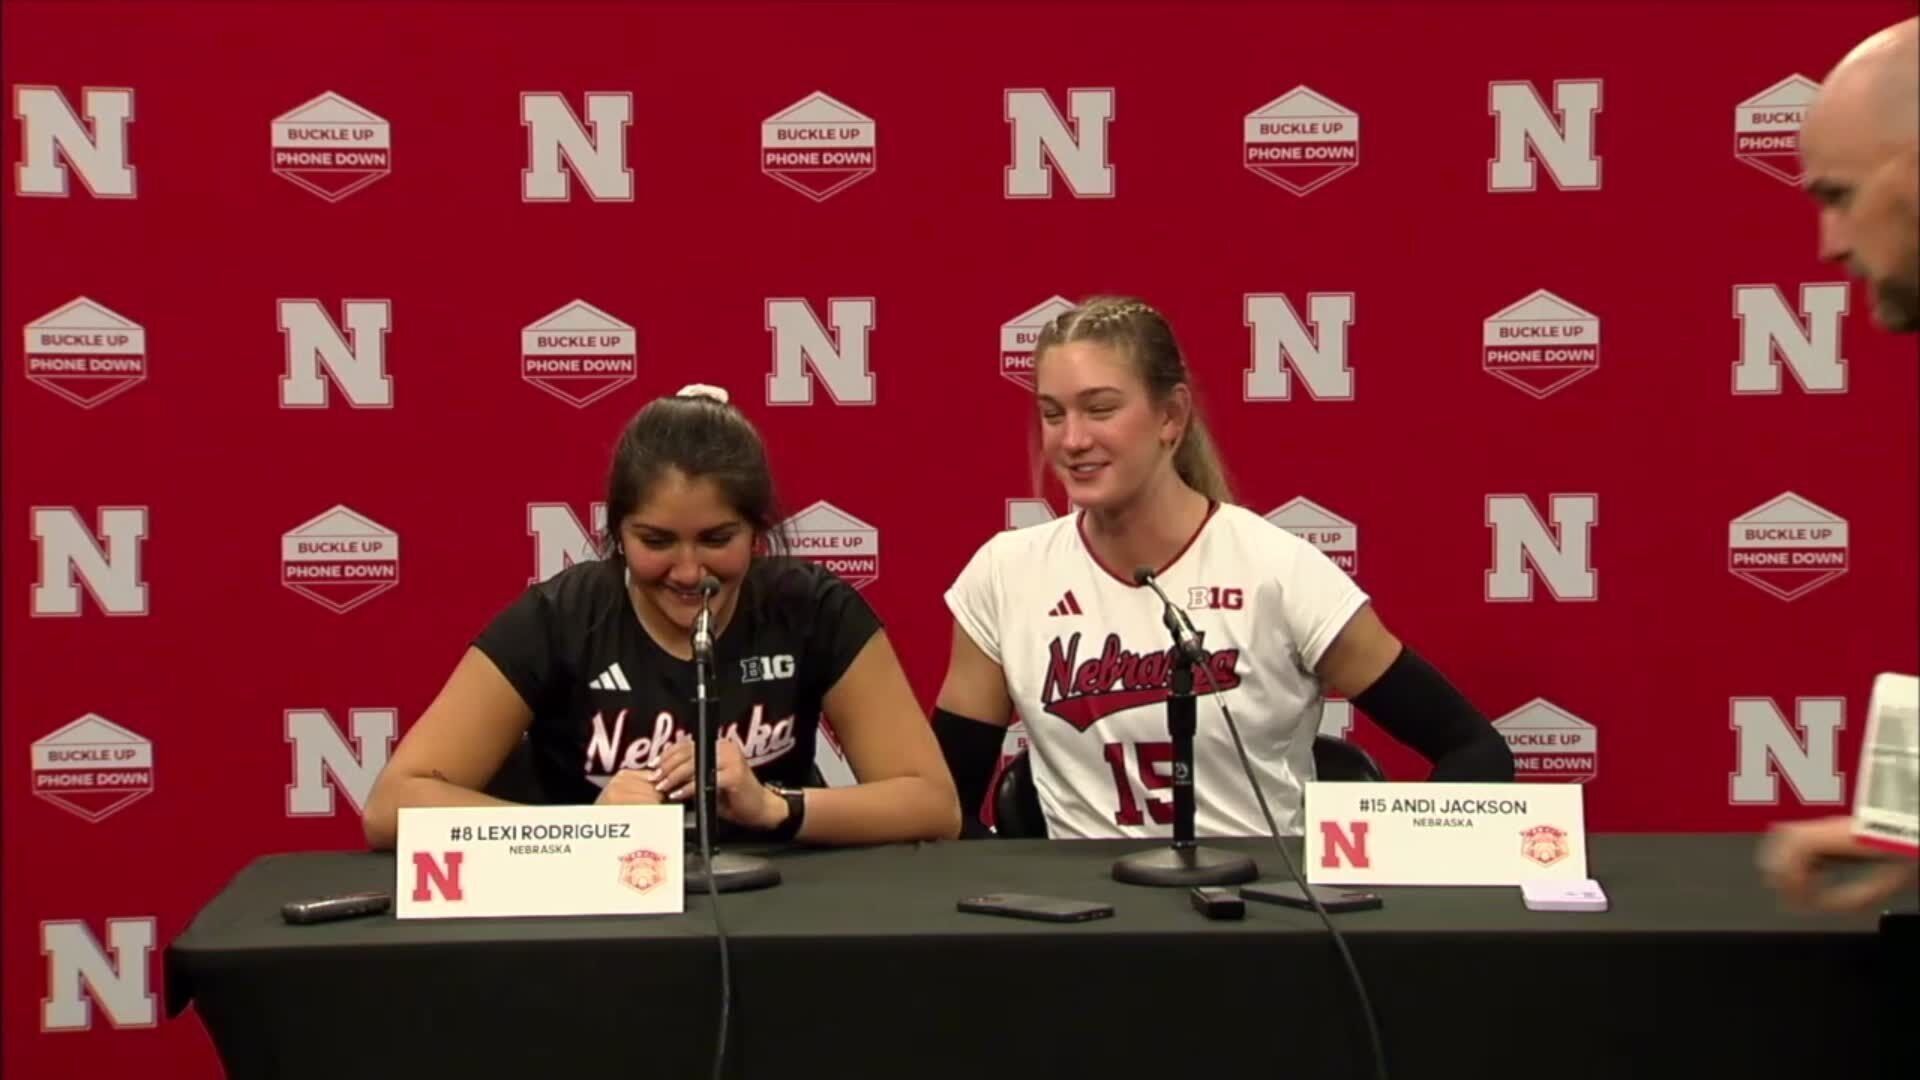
[(1016, 802)]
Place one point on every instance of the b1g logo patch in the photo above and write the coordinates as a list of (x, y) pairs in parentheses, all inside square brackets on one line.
[(1550, 743), (1302, 140), (85, 352), (1542, 344), (1018, 335), (332, 147), (825, 534), (766, 668), (1787, 547), (1766, 128), (1336, 537), (1544, 844), (579, 354), (340, 559), (818, 146), (92, 768)]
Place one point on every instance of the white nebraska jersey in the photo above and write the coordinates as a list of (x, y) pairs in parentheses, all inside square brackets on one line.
[(1086, 661)]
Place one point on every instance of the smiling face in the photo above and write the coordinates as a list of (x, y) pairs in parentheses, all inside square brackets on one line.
[(685, 530), (1101, 432)]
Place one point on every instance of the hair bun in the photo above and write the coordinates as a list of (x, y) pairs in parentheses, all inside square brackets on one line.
[(703, 390)]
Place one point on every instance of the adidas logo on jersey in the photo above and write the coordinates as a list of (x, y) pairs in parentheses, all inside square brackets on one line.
[(1067, 606), (611, 679)]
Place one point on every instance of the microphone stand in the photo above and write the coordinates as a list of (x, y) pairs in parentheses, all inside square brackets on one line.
[(1185, 862), (708, 870)]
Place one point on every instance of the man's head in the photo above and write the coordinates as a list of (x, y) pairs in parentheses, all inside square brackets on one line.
[(1860, 145)]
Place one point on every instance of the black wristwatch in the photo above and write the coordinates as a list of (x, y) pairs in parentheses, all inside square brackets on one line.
[(796, 812)]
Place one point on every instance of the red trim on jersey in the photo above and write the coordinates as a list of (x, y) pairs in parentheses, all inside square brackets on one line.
[(1080, 527)]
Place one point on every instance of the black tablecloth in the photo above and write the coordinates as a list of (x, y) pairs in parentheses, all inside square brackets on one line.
[(858, 965)]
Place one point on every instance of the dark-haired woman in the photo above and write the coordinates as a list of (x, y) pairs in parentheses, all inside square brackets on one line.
[(594, 665)]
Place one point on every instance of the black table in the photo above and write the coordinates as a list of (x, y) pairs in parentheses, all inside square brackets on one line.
[(858, 965)]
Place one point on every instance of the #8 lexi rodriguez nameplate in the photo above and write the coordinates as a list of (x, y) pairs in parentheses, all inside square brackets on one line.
[(492, 861), (1444, 834)]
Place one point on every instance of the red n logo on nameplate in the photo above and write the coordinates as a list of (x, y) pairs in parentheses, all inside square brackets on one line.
[(428, 872), (1352, 841)]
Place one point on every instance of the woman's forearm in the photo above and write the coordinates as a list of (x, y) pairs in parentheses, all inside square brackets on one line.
[(884, 811), (382, 820)]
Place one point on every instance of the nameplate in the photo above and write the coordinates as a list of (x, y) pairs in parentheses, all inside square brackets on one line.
[(1362, 833), (1886, 792), (486, 861)]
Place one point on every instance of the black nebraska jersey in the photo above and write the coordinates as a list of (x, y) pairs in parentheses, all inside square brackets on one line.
[(605, 696)]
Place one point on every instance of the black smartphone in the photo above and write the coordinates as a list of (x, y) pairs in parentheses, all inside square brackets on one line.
[(1041, 908), (1335, 898), (328, 908)]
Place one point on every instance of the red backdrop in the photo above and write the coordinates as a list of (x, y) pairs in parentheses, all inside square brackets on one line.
[(321, 321)]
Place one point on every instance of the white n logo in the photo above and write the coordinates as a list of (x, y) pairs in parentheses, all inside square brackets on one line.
[(1523, 127), (1812, 349), (314, 341), (319, 750), (76, 965), (1768, 745), (840, 359), (1563, 556), (1280, 338), (553, 131), (558, 539), (67, 549), (1040, 135), (49, 131)]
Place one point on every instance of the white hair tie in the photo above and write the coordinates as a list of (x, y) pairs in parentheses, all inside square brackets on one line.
[(703, 390)]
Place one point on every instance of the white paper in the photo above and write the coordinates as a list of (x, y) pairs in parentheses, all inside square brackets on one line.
[(1886, 793)]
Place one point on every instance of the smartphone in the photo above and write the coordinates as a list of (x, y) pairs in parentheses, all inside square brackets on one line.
[(1334, 898), (1041, 908), (321, 909)]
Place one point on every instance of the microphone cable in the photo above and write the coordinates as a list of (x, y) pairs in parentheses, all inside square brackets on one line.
[(719, 931), (1353, 972)]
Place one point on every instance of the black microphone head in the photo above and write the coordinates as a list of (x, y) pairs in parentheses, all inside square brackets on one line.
[(709, 585), (1142, 575)]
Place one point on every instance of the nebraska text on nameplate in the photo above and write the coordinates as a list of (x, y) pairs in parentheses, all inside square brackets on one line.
[(493, 861), (1445, 834)]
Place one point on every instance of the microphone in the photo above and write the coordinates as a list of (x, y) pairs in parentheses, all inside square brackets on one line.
[(1185, 637), (1185, 862), (703, 622)]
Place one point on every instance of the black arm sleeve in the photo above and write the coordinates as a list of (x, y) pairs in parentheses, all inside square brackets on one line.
[(1419, 707), (972, 750)]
